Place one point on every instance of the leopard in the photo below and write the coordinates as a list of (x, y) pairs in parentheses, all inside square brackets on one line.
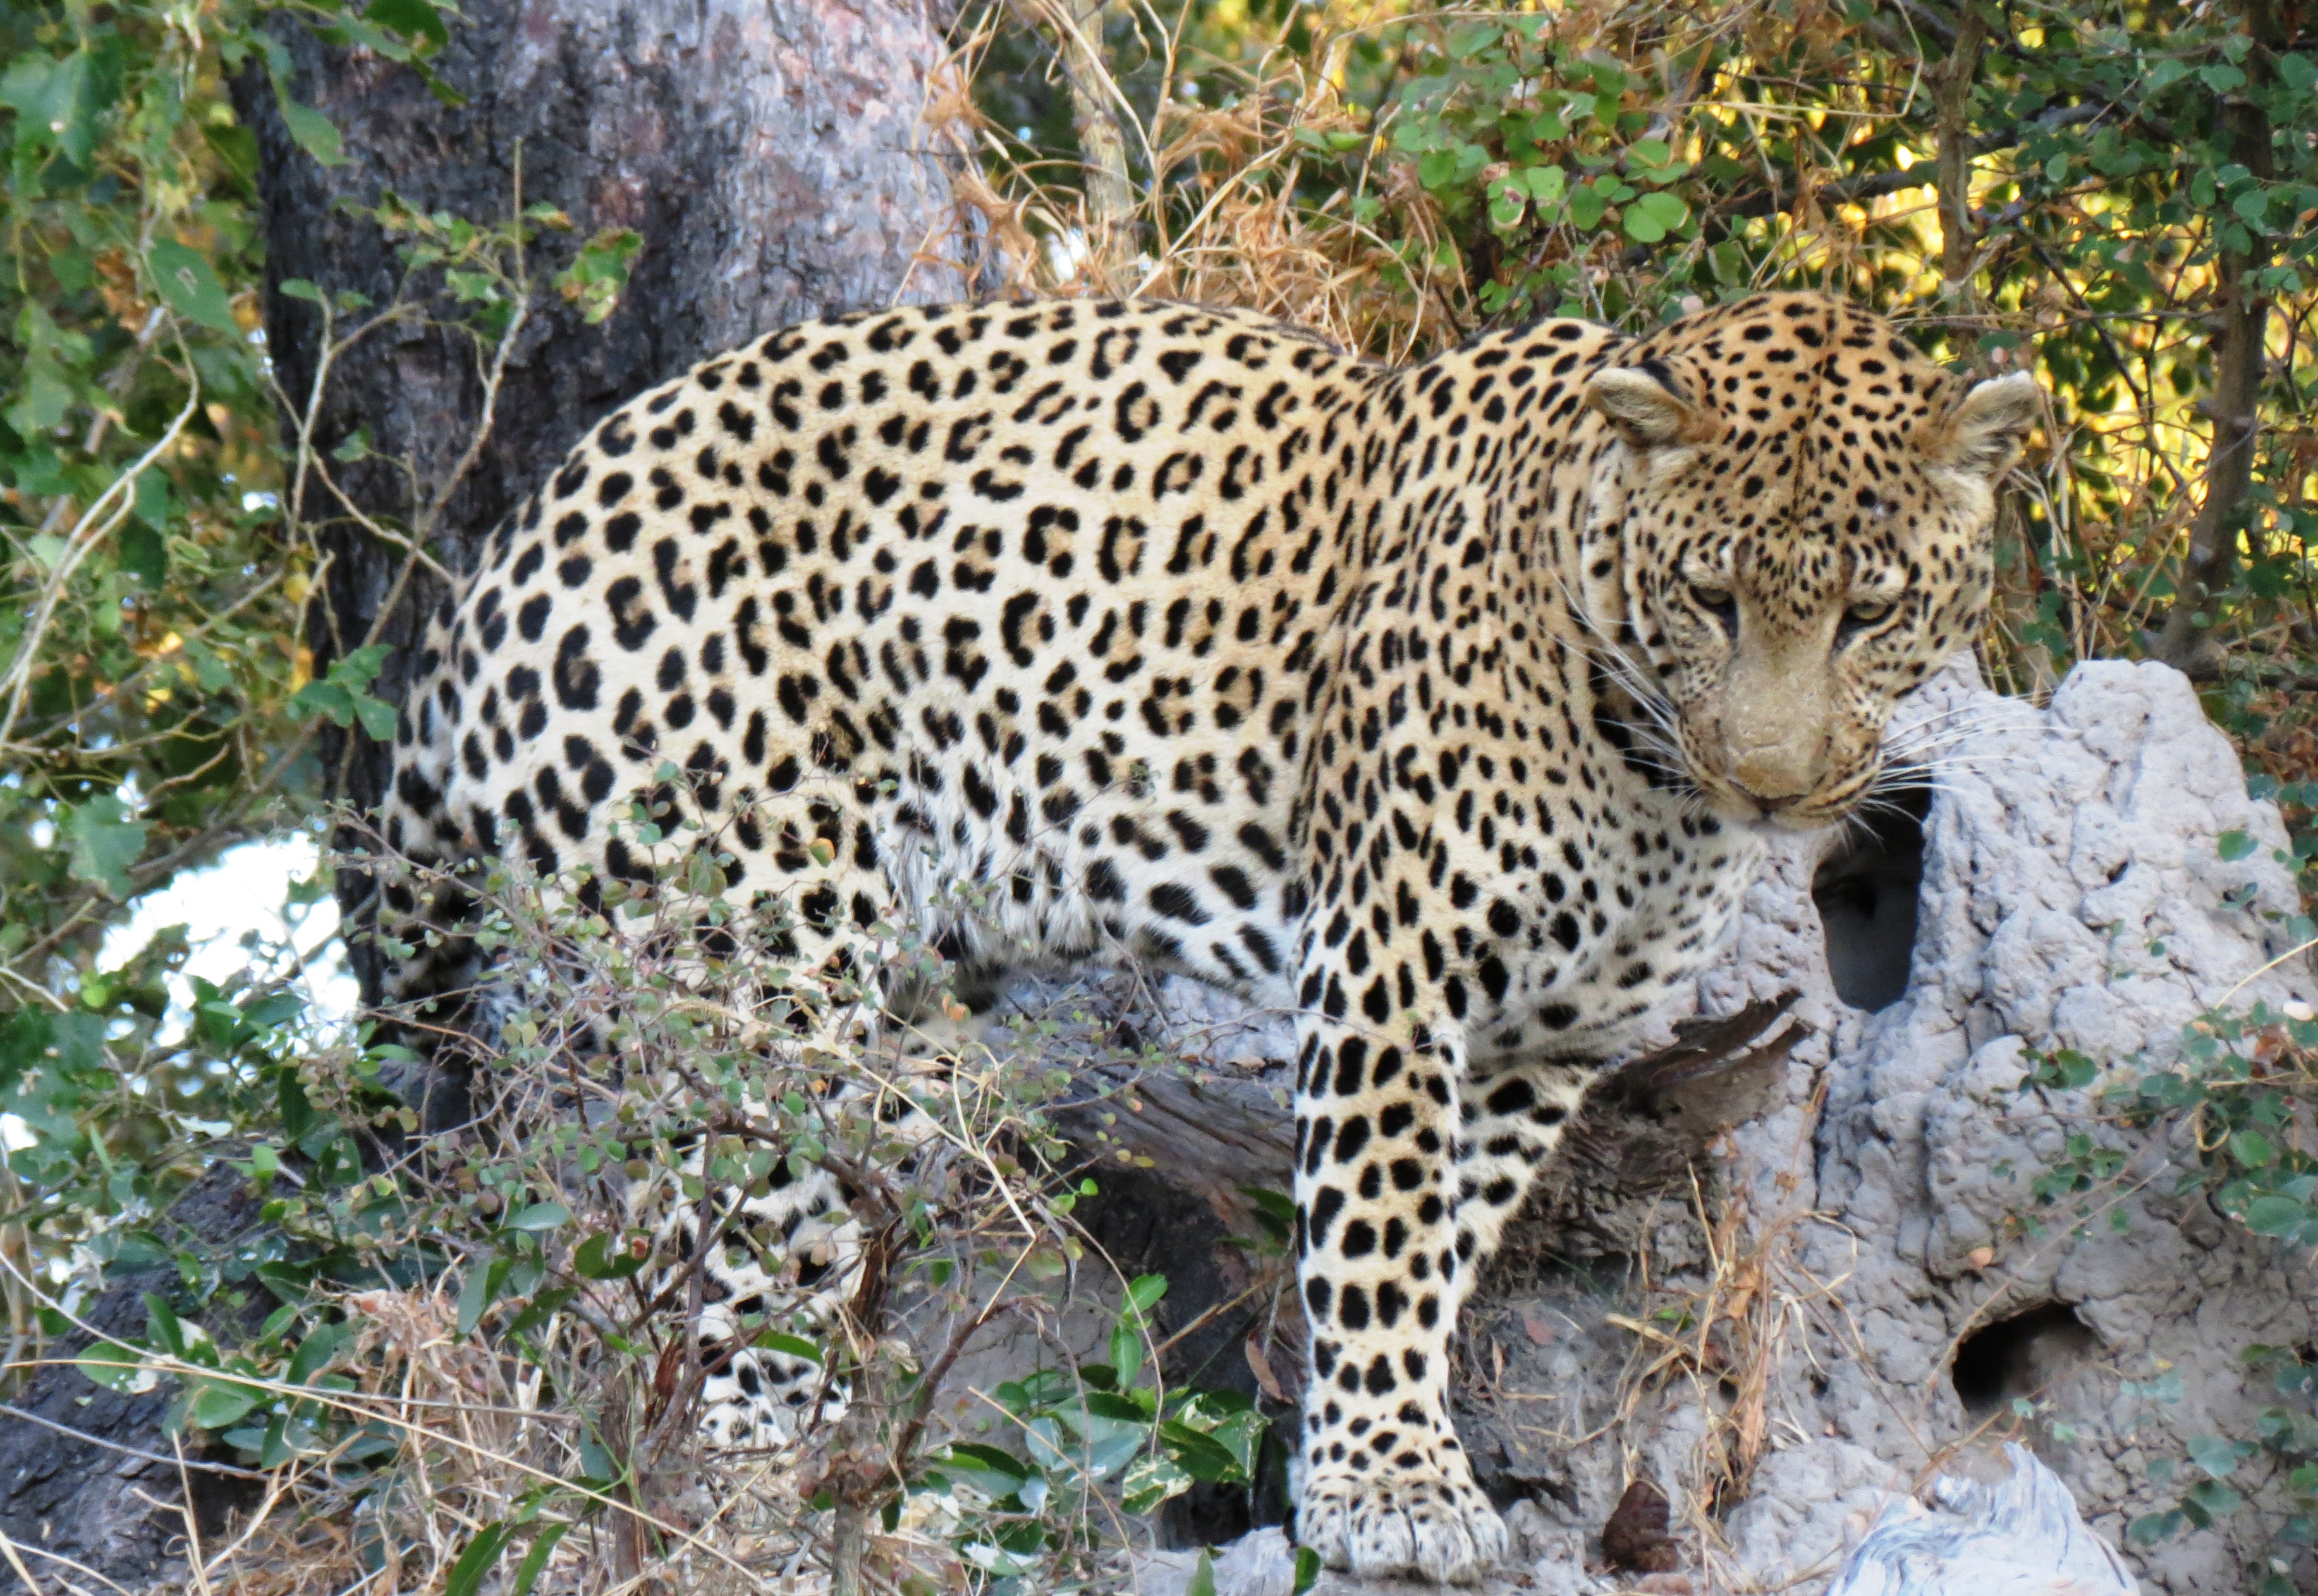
[(1450, 705)]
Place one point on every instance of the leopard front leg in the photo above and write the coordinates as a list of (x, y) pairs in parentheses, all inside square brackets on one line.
[(1386, 1487), (1513, 1117)]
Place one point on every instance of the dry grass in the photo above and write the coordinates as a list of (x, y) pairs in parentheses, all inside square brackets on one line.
[(1223, 222)]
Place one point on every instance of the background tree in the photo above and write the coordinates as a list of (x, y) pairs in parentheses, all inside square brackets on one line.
[(801, 186), (352, 282)]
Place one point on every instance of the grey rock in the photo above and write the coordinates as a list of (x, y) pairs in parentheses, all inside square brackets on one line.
[(1808, 1504), (2019, 1537)]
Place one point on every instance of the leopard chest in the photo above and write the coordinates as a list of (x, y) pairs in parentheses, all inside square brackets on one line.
[(1484, 852)]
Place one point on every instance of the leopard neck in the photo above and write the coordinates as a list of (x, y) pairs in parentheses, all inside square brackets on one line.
[(1496, 495)]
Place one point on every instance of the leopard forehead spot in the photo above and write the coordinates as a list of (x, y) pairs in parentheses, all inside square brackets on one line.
[(1444, 705)]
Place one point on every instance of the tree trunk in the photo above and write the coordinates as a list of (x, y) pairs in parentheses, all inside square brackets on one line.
[(772, 156), (773, 159), (2241, 312), (1077, 26), (1951, 95), (88, 1473)]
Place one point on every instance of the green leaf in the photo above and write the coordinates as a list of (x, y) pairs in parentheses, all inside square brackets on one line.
[(541, 1217), (339, 696), (468, 1572), (162, 1323), (377, 718), (327, 699), (413, 19), (215, 1405), (2233, 846), (1308, 1569), (2216, 1455), (535, 1562), (1203, 1577), (2275, 1215), (190, 286), (52, 1065), (1126, 1348), (2151, 1528), (543, 1307), (598, 1462), (142, 551), (794, 1346), (235, 147), (1546, 184), (2252, 1149), (1152, 1481), (596, 275), (1200, 1456), (995, 1474), (316, 1352), (1653, 216), (116, 1367), (104, 842), (55, 103), (2213, 1497), (606, 1257), (475, 1296), (149, 501), (1142, 1293), (315, 133), (360, 668), (273, 1008)]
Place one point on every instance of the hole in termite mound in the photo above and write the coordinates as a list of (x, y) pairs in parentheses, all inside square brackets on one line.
[(1866, 893), (2026, 1355)]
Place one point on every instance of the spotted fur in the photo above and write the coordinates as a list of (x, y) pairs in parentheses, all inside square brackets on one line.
[(1448, 704)]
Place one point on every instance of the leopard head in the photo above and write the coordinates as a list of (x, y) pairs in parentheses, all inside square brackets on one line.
[(1792, 532)]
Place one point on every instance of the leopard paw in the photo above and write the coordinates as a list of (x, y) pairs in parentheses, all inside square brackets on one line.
[(1416, 1521)]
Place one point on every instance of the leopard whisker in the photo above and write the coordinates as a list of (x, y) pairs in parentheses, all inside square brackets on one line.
[(1954, 727)]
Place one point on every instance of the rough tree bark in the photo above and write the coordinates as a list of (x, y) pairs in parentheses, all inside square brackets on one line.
[(87, 1474), (2241, 315), (1951, 95), (1077, 27), (773, 157)]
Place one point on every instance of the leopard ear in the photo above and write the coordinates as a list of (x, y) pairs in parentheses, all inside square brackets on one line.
[(1979, 437), (1648, 407)]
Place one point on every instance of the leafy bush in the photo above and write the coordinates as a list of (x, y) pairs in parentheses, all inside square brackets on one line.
[(523, 1266)]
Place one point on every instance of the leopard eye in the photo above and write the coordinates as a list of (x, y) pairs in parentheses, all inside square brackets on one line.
[(1716, 602), (1860, 616)]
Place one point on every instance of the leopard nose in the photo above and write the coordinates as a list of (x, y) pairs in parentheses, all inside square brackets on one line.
[(1776, 775)]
